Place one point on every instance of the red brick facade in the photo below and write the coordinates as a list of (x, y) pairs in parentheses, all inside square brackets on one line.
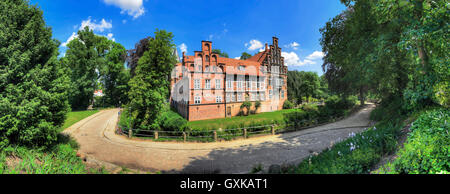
[(207, 86)]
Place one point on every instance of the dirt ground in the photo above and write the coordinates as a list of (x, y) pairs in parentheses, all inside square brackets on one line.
[(101, 146)]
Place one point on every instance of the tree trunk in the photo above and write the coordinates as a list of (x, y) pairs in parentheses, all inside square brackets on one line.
[(361, 95)]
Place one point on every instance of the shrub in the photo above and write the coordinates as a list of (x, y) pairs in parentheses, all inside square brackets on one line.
[(428, 147), (257, 105), (338, 105), (172, 121), (389, 108), (355, 155), (33, 83), (247, 105), (288, 105)]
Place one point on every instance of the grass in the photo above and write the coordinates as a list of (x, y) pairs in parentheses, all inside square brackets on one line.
[(75, 116), (224, 123)]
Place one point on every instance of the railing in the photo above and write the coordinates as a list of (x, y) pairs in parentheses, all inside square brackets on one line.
[(224, 134)]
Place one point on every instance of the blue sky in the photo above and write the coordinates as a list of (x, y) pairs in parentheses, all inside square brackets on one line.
[(234, 26)]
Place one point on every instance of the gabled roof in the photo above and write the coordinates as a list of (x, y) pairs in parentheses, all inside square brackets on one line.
[(259, 57)]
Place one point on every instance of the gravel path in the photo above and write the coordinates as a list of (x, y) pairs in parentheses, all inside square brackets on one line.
[(96, 137)]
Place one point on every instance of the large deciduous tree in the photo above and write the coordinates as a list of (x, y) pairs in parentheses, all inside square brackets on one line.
[(301, 85), (113, 74), (84, 58), (33, 84), (395, 48), (149, 88)]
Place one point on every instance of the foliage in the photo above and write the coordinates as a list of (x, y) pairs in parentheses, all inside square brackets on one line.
[(388, 108), (302, 84), (257, 105), (245, 56), (33, 84), (337, 105), (247, 105), (392, 48), (135, 54), (355, 155), (113, 74), (149, 88), (59, 158), (222, 54), (75, 116), (83, 58), (92, 58), (240, 121), (288, 105), (172, 121), (428, 147)]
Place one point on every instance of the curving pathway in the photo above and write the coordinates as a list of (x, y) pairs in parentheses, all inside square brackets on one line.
[(97, 139)]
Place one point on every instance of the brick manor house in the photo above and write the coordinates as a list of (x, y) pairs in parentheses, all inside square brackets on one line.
[(207, 86)]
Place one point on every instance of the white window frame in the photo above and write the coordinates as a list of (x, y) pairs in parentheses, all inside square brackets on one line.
[(207, 84), (196, 83), (197, 99), (218, 99), (218, 83), (239, 97)]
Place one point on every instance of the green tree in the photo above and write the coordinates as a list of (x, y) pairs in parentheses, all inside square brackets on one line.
[(113, 74), (222, 54), (245, 56), (302, 84), (33, 84), (149, 88), (394, 48), (84, 57), (247, 105)]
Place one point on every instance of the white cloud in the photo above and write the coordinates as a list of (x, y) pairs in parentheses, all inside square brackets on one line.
[(315, 55), (110, 37), (237, 58), (293, 45), (100, 27), (292, 59), (133, 8), (97, 27), (73, 36), (124, 21), (253, 45), (183, 48)]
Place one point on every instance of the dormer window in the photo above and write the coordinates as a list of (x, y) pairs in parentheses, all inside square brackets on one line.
[(241, 68)]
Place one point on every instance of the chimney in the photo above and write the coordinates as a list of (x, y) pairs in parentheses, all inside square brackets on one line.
[(267, 47)]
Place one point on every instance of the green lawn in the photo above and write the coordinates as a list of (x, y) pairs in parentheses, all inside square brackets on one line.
[(225, 123), (74, 117)]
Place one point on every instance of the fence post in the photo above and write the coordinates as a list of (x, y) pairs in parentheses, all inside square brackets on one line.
[(130, 133), (184, 137), (245, 133), (156, 135), (273, 129), (215, 135)]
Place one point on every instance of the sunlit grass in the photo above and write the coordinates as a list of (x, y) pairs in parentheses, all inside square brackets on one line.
[(224, 123), (74, 117)]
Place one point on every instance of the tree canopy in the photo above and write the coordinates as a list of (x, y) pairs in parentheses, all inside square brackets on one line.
[(149, 88), (33, 84), (245, 56), (303, 84), (393, 48), (222, 54)]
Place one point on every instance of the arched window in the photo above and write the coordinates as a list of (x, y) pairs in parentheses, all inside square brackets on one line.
[(207, 47), (207, 58)]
